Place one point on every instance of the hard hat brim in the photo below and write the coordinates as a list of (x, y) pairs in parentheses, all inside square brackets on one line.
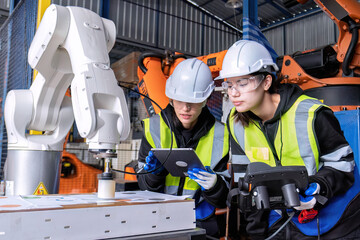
[(194, 99)]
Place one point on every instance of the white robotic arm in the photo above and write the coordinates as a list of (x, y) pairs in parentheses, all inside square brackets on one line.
[(43, 106), (99, 104), (70, 48)]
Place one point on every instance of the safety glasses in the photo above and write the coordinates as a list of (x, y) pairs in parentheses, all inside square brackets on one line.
[(243, 85), (180, 105)]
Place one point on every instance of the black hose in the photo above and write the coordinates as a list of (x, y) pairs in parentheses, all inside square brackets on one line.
[(171, 135), (179, 56), (145, 55), (154, 54), (353, 28)]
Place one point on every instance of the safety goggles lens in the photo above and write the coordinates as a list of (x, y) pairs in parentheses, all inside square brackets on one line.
[(243, 85)]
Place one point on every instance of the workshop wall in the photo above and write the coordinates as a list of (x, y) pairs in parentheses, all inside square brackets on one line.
[(16, 35), (174, 25), (93, 5), (308, 33)]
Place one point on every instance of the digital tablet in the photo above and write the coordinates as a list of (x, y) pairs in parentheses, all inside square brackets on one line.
[(179, 161)]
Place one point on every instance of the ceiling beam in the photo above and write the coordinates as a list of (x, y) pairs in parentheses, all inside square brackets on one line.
[(207, 12), (281, 9), (292, 19), (205, 3)]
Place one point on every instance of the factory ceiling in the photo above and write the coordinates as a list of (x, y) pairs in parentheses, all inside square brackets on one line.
[(271, 13)]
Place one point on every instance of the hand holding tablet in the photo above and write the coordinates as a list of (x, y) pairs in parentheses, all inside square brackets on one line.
[(179, 161)]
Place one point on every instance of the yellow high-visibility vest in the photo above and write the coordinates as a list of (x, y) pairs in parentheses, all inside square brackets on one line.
[(295, 141), (211, 148)]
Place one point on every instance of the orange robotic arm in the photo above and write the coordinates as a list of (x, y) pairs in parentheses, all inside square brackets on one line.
[(155, 68), (331, 73)]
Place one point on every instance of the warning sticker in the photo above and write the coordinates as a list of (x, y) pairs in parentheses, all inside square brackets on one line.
[(41, 189)]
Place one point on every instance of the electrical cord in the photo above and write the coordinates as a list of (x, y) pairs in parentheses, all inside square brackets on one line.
[(145, 55), (293, 213), (353, 28), (171, 135), (318, 226), (282, 226), (281, 140), (161, 56)]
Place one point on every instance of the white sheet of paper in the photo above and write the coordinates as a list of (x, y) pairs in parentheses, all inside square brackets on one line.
[(14, 203), (57, 201)]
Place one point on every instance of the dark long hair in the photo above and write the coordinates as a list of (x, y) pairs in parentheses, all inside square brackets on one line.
[(245, 117), (175, 120)]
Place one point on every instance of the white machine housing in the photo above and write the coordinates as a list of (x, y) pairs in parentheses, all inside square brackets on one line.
[(70, 47)]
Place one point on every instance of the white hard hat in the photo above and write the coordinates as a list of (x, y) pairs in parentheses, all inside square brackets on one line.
[(245, 57), (190, 82)]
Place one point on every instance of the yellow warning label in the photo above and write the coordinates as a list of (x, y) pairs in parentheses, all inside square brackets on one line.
[(41, 189)]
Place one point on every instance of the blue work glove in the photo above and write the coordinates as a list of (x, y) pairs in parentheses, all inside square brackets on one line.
[(153, 163), (308, 201), (206, 179)]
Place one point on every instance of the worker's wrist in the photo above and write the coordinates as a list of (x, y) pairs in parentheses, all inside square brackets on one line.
[(216, 187), (324, 190)]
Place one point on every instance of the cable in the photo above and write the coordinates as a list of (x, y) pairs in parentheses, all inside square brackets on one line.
[(237, 33), (282, 226), (142, 66), (171, 135), (353, 28), (156, 55), (318, 226), (281, 140)]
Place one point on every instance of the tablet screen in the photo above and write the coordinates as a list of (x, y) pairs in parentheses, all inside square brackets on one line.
[(179, 161)]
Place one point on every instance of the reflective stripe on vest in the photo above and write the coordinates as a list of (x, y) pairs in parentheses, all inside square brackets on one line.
[(157, 132), (238, 136), (302, 117), (216, 140), (303, 149)]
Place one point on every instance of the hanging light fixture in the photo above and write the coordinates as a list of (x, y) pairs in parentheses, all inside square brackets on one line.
[(233, 4)]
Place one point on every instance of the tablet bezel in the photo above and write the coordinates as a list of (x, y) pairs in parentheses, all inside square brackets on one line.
[(179, 161)]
